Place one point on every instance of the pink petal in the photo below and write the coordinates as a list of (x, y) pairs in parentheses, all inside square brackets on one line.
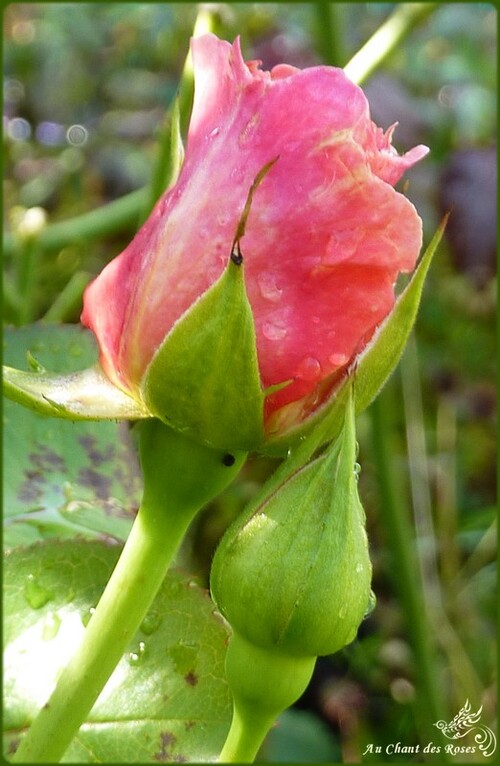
[(326, 237)]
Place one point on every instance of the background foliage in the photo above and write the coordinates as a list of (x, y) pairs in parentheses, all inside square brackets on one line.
[(86, 87)]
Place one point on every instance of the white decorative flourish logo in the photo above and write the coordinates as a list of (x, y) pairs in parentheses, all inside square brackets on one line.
[(464, 722)]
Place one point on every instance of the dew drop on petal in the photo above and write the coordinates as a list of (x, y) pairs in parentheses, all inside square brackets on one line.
[(268, 286), (273, 331), (338, 360), (309, 369)]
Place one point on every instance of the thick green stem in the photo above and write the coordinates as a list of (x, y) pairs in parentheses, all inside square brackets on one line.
[(180, 477), (264, 683), (246, 735)]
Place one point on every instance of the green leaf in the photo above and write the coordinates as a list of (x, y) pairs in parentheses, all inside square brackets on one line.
[(371, 370), (63, 478), (86, 394), (204, 379), (83, 395), (300, 737), (167, 699)]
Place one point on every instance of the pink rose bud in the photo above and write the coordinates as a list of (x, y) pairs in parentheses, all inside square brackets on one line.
[(325, 240)]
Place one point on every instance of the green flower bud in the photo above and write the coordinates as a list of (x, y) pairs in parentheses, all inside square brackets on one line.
[(294, 575)]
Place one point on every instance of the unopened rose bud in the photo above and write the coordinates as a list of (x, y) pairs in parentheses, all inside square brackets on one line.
[(326, 238), (294, 575)]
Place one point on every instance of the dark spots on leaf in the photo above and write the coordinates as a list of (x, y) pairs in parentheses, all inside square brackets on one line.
[(97, 456), (188, 725), (46, 460), (30, 489), (99, 483), (13, 745), (228, 459), (41, 462), (191, 678), (165, 753)]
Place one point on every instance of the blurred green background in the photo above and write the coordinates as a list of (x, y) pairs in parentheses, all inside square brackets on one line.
[(86, 88)]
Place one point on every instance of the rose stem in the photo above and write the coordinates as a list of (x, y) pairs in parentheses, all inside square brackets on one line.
[(180, 477), (263, 683)]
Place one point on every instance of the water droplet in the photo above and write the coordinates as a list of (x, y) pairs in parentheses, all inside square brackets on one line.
[(51, 626), (237, 174), (338, 360), (309, 369), (357, 471), (135, 658), (87, 615), (268, 286), (372, 602), (274, 331), (150, 623), (215, 132), (222, 220), (359, 567), (36, 595)]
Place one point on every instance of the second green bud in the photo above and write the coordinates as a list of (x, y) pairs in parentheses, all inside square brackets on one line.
[(294, 574)]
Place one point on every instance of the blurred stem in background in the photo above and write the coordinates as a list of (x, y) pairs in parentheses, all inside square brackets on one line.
[(108, 219), (396, 521), (386, 39), (431, 559), (330, 33), (116, 215)]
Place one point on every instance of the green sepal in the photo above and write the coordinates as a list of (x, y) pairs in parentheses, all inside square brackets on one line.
[(371, 369), (204, 379), (293, 575), (83, 395), (176, 146)]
